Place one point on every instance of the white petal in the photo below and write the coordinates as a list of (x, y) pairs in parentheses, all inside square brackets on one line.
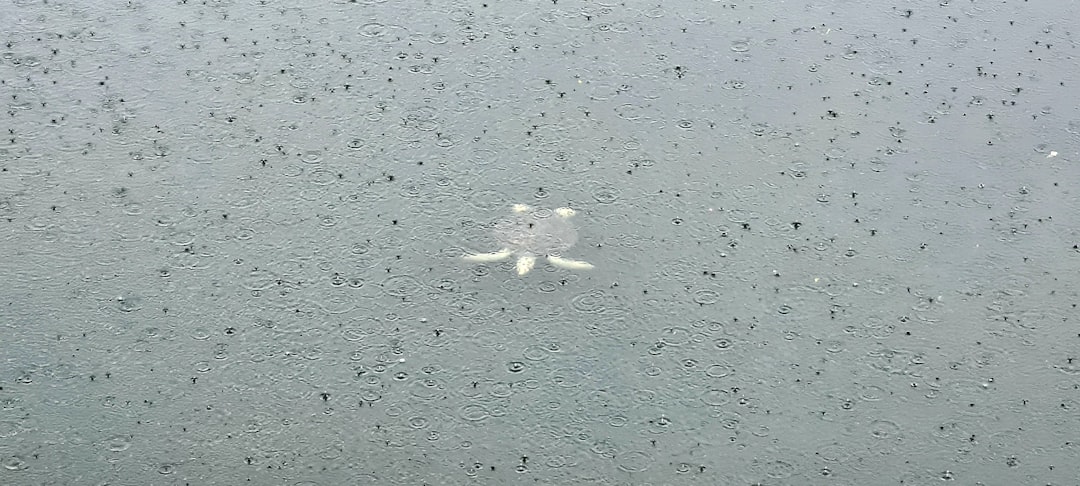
[(565, 212), (569, 264), (525, 263), (521, 208), (488, 257)]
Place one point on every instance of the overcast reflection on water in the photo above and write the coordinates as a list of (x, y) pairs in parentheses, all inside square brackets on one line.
[(833, 243)]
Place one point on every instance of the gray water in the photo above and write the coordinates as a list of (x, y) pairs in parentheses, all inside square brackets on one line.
[(835, 243)]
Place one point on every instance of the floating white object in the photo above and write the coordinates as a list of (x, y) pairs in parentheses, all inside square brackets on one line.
[(531, 234)]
